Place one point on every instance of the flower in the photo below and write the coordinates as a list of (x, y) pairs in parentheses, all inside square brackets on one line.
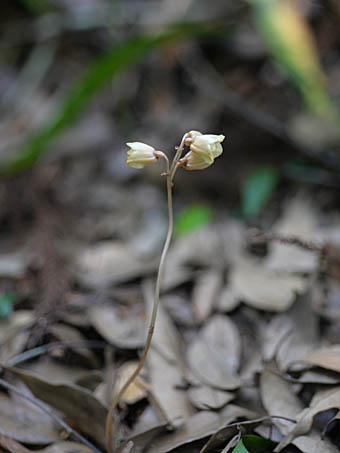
[(140, 155), (204, 148)]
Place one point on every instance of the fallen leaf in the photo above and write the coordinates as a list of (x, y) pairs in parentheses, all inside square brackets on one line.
[(322, 401), (24, 423), (77, 403), (263, 288), (327, 357), (214, 356), (110, 262), (138, 443), (136, 391), (279, 399), (198, 426), (204, 294), (299, 219), (66, 447), (290, 336), (204, 397), (127, 332), (227, 300), (69, 334), (228, 416), (319, 377)]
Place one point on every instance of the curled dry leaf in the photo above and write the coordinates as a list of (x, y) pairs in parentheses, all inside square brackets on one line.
[(214, 356), (263, 288), (124, 332)]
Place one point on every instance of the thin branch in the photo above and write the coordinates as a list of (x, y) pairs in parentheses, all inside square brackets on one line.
[(55, 417)]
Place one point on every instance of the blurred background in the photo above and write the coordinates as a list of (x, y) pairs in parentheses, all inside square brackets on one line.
[(80, 78), (81, 232)]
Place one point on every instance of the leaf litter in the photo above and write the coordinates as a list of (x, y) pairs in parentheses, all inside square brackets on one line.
[(213, 344)]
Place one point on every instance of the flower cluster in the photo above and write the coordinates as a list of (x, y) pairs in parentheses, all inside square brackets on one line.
[(203, 150)]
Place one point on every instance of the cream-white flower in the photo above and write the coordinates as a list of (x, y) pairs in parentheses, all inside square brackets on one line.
[(140, 155), (204, 148)]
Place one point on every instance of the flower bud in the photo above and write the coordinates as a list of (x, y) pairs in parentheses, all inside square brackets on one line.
[(203, 150), (191, 137), (140, 155)]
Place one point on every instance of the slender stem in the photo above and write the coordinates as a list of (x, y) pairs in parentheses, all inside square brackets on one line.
[(178, 154), (110, 423)]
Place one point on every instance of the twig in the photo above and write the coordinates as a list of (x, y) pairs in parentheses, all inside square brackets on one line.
[(55, 417)]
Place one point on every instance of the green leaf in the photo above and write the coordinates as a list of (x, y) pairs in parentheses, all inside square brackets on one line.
[(191, 218), (97, 75), (254, 444), (257, 190), (7, 301)]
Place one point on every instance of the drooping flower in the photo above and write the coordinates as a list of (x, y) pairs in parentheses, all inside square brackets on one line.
[(204, 148), (140, 154)]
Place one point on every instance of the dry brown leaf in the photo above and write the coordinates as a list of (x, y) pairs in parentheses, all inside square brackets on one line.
[(25, 423), (322, 401), (327, 357), (263, 288), (299, 219), (214, 356), (205, 397), (77, 403), (204, 294), (110, 262), (124, 332)]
